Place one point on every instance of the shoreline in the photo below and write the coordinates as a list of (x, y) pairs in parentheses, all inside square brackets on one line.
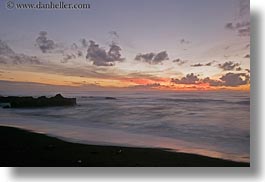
[(26, 148)]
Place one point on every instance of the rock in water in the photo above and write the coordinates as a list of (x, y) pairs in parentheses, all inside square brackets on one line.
[(110, 98), (29, 102)]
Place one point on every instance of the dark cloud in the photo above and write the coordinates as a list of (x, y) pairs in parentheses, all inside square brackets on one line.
[(148, 57), (45, 44), (197, 65), (8, 56), (161, 56), (210, 63), (179, 61), (235, 79), (212, 82), (188, 79), (227, 66), (200, 64), (183, 41), (242, 28), (152, 58), (100, 57), (229, 79)]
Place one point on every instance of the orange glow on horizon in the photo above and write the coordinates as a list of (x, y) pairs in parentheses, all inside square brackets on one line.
[(124, 83)]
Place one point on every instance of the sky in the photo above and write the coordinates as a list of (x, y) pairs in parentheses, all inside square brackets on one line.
[(127, 45)]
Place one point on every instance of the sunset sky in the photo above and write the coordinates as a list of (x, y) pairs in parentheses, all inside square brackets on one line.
[(122, 44)]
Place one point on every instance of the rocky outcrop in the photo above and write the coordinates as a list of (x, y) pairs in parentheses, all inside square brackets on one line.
[(30, 102)]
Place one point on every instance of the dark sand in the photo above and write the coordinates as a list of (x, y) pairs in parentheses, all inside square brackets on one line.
[(22, 148)]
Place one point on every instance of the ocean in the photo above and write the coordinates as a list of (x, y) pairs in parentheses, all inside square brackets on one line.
[(215, 124)]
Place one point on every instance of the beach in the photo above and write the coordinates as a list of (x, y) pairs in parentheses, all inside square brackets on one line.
[(211, 124), (24, 148)]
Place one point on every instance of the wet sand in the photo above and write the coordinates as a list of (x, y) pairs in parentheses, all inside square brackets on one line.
[(24, 148)]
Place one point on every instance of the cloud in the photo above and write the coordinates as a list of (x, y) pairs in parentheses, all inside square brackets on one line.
[(79, 53), (8, 56), (212, 82), (152, 58), (183, 41), (235, 79), (244, 31), (229, 79), (74, 46), (161, 56), (143, 76), (244, 8), (5, 49), (197, 65), (2, 61), (188, 79), (100, 57), (46, 45), (67, 57), (227, 66), (114, 34), (148, 57), (179, 61), (84, 43), (242, 28), (200, 64), (247, 46), (76, 51), (247, 70), (241, 25), (247, 56), (147, 86), (210, 63), (24, 59)]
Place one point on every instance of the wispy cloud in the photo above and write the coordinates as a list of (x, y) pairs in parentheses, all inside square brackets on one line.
[(184, 41), (242, 28), (8, 56)]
